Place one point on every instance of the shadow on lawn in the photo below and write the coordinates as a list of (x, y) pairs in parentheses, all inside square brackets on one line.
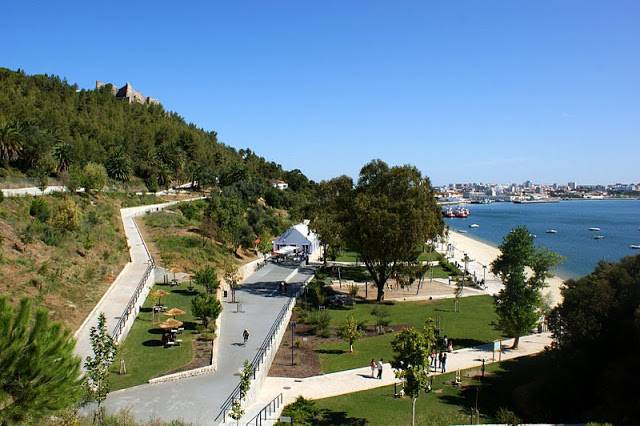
[(330, 351), (328, 417), (152, 343), (504, 388)]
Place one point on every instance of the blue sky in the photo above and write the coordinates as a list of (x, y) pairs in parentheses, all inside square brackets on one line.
[(492, 91)]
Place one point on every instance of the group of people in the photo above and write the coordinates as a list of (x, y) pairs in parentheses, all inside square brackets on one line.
[(438, 360)]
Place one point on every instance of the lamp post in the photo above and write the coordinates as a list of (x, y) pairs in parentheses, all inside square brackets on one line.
[(484, 274), (293, 325)]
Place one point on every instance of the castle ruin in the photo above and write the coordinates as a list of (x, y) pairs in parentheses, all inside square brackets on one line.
[(128, 94)]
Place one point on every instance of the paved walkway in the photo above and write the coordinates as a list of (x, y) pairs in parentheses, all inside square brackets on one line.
[(116, 298), (359, 379), (197, 400)]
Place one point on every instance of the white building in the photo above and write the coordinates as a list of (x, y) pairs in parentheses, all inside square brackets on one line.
[(279, 184), (299, 237)]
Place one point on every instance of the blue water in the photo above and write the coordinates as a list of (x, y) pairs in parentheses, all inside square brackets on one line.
[(619, 221)]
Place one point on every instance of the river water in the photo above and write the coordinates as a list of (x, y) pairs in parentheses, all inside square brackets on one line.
[(619, 221)]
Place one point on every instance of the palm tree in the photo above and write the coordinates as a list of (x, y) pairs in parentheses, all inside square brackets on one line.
[(63, 153), (10, 142)]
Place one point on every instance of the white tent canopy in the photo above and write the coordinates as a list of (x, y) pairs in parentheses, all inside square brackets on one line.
[(298, 237)]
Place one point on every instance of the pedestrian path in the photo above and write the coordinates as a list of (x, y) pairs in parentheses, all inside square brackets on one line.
[(359, 379), (197, 400), (116, 298)]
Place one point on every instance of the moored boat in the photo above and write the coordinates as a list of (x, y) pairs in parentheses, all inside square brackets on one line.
[(474, 225), (551, 231), (635, 246), (594, 229), (598, 237)]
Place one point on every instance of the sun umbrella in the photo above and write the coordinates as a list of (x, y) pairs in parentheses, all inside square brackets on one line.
[(170, 323), (158, 294), (174, 312)]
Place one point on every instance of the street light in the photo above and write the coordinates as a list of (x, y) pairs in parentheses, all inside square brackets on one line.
[(484, 274)]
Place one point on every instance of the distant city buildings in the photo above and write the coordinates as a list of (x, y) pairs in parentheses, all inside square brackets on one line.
[(128, 93), (530, 191)]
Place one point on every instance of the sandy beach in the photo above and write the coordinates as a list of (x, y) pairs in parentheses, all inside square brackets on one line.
[(483, 254)]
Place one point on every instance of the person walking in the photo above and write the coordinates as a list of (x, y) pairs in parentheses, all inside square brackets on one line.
[(245, 336), (380, 369), (373, 368), (450, 346), (434, 360), (443, 363)]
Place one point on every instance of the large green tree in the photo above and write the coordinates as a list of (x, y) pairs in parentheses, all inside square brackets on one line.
[(39, 373), (523, 269), (390, 216)]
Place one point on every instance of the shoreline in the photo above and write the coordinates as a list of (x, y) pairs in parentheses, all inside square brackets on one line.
[(484, 253)]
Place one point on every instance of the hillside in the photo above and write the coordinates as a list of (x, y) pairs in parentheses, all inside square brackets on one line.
[(48, 127), (63, 251)]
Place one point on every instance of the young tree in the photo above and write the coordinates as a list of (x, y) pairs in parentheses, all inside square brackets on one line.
[(237, 411), (206, 307), (457, 292), (349, 331), (39, 374), (391, 214), (411, 360), (231, 277), (207, 278), (519, 303), (97, 366), (67, 216)]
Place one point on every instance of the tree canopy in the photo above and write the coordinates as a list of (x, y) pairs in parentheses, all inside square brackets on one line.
[(519, 303), (391, 213), (39, 374)]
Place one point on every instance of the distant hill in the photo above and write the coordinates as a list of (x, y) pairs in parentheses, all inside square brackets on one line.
[(48, 125)]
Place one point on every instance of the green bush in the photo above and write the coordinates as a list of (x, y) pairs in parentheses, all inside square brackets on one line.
[(188, 210), (381, 315), (94, 177), (322, 322), (40, 209), (302, 411)]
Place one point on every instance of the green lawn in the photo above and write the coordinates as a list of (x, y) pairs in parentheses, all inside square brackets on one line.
[(469, 327), (446, 404), (142, 350), (347, 256)]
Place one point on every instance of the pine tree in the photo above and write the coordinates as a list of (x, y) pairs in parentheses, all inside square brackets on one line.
[(39, 374)]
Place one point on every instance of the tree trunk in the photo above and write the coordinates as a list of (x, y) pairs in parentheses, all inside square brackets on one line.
[(380, 295), (516, 341), (413, 412), (350, 347)]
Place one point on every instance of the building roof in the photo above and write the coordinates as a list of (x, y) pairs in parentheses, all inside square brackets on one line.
[(299, 234)]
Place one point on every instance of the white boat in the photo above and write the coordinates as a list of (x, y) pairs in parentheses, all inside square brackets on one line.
[(598, 237), (551, 231), (594, 229), (462, 231), (474, 225), (635, 246)]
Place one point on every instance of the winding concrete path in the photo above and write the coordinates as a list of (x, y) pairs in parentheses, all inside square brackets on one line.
[(198, 399), (116, 298)]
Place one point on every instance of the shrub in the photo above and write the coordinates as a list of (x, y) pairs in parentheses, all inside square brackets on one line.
[(67, 218), (381, 315), (94, 177), (507, 417), (39, 209), (73, 179), (302, 411), (322, 322), (188, 210)]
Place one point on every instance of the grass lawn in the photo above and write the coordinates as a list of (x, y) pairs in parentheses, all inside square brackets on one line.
[(142, 350), (469, 327), (446, 404), (347, 256)]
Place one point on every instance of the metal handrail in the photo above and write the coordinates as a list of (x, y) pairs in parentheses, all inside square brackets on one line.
[(257, 360), (271, 407), (122, 321)]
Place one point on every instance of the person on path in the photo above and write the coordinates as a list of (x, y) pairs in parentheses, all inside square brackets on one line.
[(373, 368), (380, 369), (450, 346), (434, 360), (443, 363), (245, 336)]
